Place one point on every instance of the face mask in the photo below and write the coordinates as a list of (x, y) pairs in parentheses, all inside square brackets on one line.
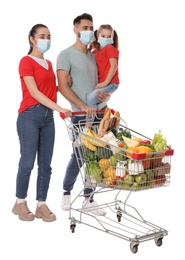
[(43, 45), (105, 41), (86, 37)]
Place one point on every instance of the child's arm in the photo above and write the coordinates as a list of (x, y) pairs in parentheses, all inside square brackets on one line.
[(111, 73)]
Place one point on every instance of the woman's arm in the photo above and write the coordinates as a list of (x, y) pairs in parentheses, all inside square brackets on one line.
[(41, 98)]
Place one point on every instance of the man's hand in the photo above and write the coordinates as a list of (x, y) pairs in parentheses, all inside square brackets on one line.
[(103, 97), (90, 111)]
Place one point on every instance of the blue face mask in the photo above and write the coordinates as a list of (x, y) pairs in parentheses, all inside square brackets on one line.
[(105, 41), (86, 37), (43, 45)]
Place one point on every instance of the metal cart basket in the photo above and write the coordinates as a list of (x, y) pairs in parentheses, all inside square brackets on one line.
[(111, 167)]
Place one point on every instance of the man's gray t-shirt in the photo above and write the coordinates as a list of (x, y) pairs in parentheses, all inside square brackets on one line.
[(83, 70)]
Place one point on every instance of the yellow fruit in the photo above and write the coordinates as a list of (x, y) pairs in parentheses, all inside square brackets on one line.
[(92, 138), (148, 151), (104, 164), (132, 150), (137, 139), (88, 145)]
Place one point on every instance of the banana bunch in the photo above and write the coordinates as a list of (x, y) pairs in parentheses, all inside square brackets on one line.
[(91, 140)]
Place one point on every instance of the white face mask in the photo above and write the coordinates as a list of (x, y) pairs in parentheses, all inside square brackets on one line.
[(105, 41), (86, 37), (43, 45)]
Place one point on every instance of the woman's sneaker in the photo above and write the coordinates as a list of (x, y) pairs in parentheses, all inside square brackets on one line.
[(23, 212)]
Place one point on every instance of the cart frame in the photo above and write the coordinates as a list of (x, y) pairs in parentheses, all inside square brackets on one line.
[(125, 221)]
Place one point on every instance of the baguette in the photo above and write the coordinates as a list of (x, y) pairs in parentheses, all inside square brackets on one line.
[(112, 122), (117, 123), (107, 114), (104, 124), (103, 127), (116, 114)]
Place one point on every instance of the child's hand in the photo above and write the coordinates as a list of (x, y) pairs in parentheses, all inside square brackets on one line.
[(100, 85)]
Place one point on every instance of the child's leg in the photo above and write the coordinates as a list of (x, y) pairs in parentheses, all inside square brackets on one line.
[(92, 99), (91, 102)]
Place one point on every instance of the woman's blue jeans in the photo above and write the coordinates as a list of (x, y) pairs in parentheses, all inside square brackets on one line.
[(72, 169), (36, 132)]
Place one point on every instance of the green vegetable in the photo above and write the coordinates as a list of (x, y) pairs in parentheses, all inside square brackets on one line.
[(90, 156), (159, 142), (150, 146), (94, 171), (113, 160), (120, 156), (103, 152), (123, 132)]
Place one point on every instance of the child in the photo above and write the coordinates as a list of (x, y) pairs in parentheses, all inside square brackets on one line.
[(105, 49)]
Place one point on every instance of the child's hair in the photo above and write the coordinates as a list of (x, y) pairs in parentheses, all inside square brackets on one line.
[(96, 45)]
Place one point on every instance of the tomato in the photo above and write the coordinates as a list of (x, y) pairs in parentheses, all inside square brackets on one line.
[(121, 144)]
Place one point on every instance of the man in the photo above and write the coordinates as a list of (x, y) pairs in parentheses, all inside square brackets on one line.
[(78, 62)]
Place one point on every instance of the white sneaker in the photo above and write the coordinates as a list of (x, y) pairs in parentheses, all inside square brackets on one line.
[(77, 142), (93, 207), (66, 202)]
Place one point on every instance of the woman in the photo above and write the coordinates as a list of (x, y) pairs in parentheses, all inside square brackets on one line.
[(35, 124)]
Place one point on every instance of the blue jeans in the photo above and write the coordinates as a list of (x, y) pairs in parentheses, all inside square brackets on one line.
[(36, 131), (72, 169), (92, 99)]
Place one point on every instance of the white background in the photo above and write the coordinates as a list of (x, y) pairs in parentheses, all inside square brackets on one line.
[(150, 97)]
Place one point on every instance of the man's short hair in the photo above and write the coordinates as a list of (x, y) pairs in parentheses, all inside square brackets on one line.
[(83, 16)]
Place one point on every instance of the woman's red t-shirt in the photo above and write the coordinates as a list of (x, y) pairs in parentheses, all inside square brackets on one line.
[(44, 78)]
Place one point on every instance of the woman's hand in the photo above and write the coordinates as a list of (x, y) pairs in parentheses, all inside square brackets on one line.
[(66, 112)]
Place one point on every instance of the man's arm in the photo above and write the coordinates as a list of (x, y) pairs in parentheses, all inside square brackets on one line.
[(67, 92)]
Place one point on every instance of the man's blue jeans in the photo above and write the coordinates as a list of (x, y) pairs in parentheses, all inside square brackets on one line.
[(36, 131), (72, 169)]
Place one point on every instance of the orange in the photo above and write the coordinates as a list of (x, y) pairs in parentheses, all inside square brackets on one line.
[(133, 150)]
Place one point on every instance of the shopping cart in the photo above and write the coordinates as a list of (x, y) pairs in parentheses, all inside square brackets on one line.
[(107, 167)]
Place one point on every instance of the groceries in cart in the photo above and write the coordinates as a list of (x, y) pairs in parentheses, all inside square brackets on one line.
[(115, 156), (112, 157)]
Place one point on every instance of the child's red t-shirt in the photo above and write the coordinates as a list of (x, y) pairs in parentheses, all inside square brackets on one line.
[(102, 58)]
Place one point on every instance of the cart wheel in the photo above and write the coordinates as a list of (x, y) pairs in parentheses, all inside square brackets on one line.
[(134, 247), (119, 214), (119, 217), (159, 241), (72, 227)]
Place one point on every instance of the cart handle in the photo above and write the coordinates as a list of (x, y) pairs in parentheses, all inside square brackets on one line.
[(63, 116)]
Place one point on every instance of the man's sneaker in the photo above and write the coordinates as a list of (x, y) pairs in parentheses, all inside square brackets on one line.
[(77, 142), (45, 213), (23, 212), (93, 208), (66, 202)]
